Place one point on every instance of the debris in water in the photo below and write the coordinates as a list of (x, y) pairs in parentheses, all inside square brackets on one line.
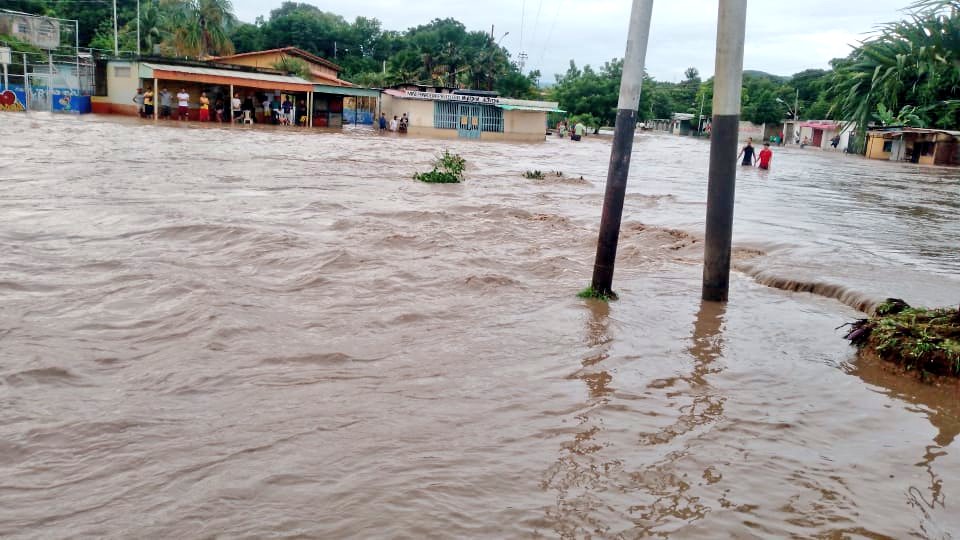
[(923, 340)]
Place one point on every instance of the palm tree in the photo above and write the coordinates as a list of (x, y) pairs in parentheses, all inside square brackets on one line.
[(154, 27), (200, 27), (911, 63)]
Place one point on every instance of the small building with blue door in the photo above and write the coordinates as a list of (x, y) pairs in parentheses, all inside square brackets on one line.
[(468, 114)]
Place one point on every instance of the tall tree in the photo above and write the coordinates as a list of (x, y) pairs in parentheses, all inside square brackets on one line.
[(200, 27), (911, 63)]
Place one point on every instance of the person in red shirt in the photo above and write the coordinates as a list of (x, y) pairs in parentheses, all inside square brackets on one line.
[(765, 156)]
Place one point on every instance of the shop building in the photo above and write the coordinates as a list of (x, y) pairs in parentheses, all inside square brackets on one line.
[(921, 146), (335, 101), (467, 114)]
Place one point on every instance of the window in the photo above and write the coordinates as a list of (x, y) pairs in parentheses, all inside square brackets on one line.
[(23, 28), (121, 72), (445, 114), (46, 30), (492, 119), (888, 146)]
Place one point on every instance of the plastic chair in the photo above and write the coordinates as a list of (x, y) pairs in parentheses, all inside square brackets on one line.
[(247, 119)]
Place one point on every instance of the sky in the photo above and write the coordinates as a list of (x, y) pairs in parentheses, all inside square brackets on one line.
[(783, 38)]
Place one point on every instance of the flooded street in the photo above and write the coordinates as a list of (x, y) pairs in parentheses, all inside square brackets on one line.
[(238, 333)]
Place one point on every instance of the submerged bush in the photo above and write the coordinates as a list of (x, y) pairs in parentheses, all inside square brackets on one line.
[(540, 175), (447, 169), (592, 294), (926, 340)]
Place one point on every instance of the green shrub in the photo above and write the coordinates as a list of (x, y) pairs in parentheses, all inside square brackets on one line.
[(447, 169), (592, 294), (926, 340)]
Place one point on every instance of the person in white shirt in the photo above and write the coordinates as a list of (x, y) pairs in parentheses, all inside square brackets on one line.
[(394, 124), (183, 104), (235, 105)]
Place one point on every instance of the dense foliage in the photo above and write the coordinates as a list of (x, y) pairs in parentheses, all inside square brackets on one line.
[(447, 169), (909, 71)]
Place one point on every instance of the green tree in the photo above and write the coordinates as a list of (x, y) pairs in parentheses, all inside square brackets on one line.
[(200, 28), (517, 85), (246, 38), (589, 92), (914, 62)]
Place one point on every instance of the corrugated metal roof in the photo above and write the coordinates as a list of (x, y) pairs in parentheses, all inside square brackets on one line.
[(530, 108), (265, 77), (345, 90), (920, 131)]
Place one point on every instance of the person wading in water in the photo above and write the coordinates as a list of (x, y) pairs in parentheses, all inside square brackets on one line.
[(748, 154)]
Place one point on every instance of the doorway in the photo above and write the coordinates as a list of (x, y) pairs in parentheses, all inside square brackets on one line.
[(469, 125)]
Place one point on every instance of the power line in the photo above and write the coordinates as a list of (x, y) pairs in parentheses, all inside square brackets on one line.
[(536, 24), (523, 14), (546, 44)]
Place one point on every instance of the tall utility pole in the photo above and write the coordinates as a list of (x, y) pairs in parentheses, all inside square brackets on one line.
[(728, 77), (138, 27), (116, 41), (796, 107), (631, 84)]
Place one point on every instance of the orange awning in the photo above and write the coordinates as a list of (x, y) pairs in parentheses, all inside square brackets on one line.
[(260, 81)]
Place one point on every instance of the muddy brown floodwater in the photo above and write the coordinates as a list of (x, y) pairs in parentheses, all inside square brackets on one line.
[(237, 333)]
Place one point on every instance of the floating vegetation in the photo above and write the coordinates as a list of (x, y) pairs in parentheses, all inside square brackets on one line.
[(592, 294), (923, 340), (540, 175), (447, 169)]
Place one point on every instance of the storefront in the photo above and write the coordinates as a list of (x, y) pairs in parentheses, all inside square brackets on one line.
[(220, 85), (921, 146), (469, 115), (335, 106)]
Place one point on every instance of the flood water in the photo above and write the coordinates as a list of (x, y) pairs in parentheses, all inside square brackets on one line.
[(236, 333)]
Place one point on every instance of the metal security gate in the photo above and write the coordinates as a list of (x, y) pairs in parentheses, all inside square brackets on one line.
[(470, 120), (469, 126)]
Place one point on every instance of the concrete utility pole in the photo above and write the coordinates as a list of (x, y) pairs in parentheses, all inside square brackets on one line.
[(630, 87), (728, 78), (116, 39)]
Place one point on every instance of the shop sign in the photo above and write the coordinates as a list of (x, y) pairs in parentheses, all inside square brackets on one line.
[(481, 100), (12, 101)]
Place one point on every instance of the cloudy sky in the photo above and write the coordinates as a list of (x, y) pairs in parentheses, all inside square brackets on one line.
[(782, 37)]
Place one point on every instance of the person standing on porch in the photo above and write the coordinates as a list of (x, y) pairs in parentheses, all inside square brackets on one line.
[(138, 99), (287, 110), (166, 101), (204, 107), (148, 103), (235, 104), (183, 104), (275, 109)]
